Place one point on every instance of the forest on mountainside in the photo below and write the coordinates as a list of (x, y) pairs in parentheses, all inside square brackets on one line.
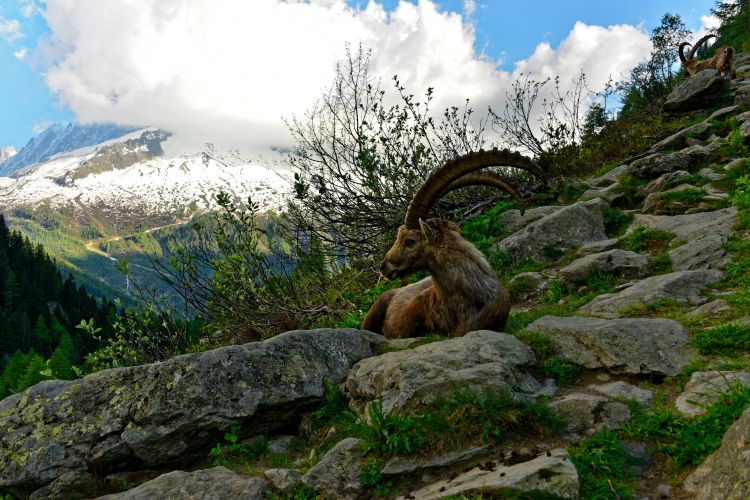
[(39, 313)]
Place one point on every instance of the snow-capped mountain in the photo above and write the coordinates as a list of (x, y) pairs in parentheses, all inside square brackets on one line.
[(6, 153), (127, 183), (59, 138)]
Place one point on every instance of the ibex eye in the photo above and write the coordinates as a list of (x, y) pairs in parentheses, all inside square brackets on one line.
[(410, 242)]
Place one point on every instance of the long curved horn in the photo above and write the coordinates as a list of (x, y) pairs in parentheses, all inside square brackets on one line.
[(698, 44), (453, 169), (490, 179), (681, 51)]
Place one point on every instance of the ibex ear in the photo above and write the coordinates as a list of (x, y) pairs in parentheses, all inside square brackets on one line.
[(428, 231)]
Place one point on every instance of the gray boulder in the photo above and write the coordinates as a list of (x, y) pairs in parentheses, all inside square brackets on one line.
[(397, 466), (574, 224), (207, 484), (586, 414), (513, 220), (723, 113), (704, 253), (283, 479), (608, 178), (636, 346), (655, 202), (611, 193), (621, 262), (706, 388), (702, 90), (708, 173), (74, 484), (552, 473), (338, 474), (597, 246), (713, 308), (405, 380), (621, 389), (663, 182), (169, 413), (725, 474), (523, 286), (657, 164), (678, 140), (684, 287), (691, 226)]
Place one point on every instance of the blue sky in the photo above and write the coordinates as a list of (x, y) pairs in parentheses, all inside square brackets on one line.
[(506, 32)]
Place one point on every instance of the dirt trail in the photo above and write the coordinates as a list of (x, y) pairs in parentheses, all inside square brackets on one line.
[(93, 245)]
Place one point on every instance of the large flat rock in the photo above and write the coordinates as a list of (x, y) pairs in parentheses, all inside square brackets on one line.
[(552, 473), (620, 262), (207, 484), (690, 227), (169, 413), (683, 287), (637, 346), (405, 380)]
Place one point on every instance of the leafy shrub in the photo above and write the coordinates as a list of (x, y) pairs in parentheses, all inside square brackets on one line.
[(642, 239)]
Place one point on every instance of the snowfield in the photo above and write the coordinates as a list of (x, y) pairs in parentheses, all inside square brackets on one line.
[(158, 187)]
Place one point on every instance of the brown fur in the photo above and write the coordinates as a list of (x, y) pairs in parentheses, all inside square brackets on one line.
[(461, 294), (722, 61)]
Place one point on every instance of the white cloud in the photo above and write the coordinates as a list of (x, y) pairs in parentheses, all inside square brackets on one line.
[(470, 6), (20, 54), (226, 71), (10, 29), (29, 8)]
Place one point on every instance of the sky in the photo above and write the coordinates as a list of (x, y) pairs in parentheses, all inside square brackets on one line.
[(228, 71)]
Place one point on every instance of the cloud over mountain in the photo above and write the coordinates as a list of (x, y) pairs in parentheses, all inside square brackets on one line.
[(226, 71)]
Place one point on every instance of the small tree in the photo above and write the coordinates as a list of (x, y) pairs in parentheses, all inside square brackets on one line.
[(543, 119), (652, 80), (60, 363), (358, 160), (734, 29)]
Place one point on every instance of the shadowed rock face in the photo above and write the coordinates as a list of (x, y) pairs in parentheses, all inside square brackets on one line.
[(171, 412), (700, 91)]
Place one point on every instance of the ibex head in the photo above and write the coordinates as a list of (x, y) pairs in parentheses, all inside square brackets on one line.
[(419, 239)]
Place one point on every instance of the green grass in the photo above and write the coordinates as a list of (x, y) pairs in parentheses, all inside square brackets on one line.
[(462, 417), (616, 221), (603, 467), (642, 239), (723, 339), (485, 229), (688, 441)]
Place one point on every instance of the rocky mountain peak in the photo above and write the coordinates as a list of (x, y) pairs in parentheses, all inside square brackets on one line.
[(6, 153)]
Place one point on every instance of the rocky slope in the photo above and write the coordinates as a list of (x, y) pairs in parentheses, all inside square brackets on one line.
[(636, 339)]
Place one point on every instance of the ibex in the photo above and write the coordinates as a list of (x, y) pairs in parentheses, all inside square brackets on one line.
[(462, 292), (722, 61)]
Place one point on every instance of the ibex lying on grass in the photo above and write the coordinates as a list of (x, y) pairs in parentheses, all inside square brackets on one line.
[(462, 292), (722, 61)]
